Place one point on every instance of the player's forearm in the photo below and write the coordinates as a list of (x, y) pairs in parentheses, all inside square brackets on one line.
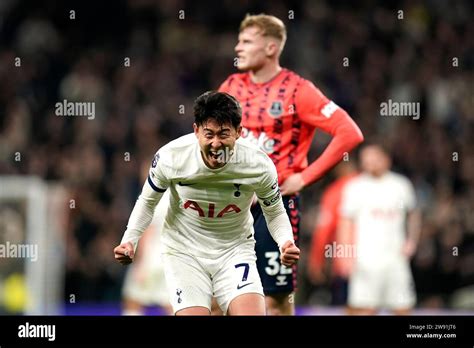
[(345, 231), (142, 215), (414, 226), (278, 223), (346, 137)]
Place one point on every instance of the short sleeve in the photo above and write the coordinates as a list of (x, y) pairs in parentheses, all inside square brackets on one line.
[(224, 87), (315, 108)]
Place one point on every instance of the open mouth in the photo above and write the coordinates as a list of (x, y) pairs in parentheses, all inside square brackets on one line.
[(215, 154)]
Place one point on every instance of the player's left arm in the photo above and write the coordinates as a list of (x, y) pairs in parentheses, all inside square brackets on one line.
[(278, 222), (413, 232), (413, 221), (316, 109)]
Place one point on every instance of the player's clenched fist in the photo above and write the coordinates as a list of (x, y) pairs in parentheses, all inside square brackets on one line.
[(124, 253), (290, 254)]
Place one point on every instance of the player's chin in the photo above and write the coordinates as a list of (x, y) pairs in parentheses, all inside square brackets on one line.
[(243, 66)]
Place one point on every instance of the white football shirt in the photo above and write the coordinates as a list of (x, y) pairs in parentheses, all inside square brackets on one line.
[(378, 207)]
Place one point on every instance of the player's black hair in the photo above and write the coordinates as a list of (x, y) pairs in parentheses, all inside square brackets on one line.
[(221, 107)]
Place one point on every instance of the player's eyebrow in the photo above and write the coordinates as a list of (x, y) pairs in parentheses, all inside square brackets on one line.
[(222, 130)]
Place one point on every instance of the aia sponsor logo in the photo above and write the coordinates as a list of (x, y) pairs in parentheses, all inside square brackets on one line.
[(210, 211)]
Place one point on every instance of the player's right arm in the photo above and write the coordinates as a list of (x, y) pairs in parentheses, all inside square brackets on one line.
[(142, 213), (346, 227), (315, 109), (345, 235)]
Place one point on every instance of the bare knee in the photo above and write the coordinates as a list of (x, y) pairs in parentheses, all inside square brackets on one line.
[(193, 311), (360, 311), (402, 311), (247, 304), (132, 307), (280, 304)]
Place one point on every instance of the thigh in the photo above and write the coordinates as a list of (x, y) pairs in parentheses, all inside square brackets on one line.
[(276, 278), (365, 288), (247, 304), (400, 289), (188, 283), (238, 275)]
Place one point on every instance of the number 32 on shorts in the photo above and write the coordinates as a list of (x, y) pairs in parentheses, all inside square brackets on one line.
[(276, 268)]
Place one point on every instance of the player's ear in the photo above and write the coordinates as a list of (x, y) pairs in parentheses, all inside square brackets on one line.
[(196, 129), (271, 48), (239, 132)]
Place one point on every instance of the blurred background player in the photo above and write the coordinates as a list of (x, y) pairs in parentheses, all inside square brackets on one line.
[(281, 112), (379, 212), (325, 234), (145, 283)]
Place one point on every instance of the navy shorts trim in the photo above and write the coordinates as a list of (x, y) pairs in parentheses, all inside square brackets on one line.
[(275, 277)]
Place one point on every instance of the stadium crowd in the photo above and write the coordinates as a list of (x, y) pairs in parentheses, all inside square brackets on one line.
[(143, 63)]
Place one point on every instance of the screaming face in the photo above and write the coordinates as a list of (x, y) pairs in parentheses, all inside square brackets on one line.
[(217, 142)]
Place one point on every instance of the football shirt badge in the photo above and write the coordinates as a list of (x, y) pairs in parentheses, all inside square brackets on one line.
[(276, 110), (155, 161)]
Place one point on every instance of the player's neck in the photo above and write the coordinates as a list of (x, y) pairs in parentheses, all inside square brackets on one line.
[(266, 73), (379, 175)]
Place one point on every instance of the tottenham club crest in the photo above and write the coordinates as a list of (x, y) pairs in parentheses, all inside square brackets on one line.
[(237, 190), (276, 110), (155, 160)]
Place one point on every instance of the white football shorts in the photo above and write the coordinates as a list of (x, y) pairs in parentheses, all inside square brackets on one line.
[(388, 286), (193, 281)]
